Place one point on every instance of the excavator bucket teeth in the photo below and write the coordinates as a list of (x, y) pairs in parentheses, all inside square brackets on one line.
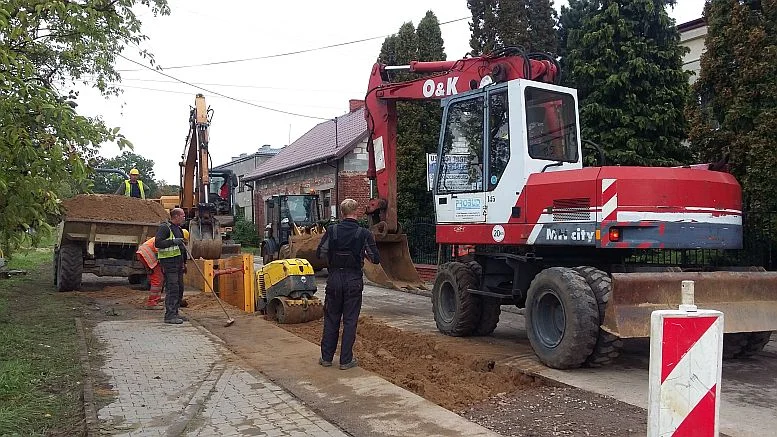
[(202, 243), (747, 298), (288, 311), (396, 269)]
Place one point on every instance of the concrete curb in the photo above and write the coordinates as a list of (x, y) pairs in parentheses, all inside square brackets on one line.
[(91, 423)]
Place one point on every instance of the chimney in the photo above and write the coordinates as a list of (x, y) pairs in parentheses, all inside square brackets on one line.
[(355, 104), (243, 155)]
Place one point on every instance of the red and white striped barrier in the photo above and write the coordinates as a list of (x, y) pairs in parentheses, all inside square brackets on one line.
[(686, 352)]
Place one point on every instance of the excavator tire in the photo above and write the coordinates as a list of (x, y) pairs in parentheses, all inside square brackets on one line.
[(70, 267), (744, 344), (562, 318), (608, 346), (456, 311), (490, 308)]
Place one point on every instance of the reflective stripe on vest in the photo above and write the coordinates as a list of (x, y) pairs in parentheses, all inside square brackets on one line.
[(148, 251), (128, 189), (169, 252)]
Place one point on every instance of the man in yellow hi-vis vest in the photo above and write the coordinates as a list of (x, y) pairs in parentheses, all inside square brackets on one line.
[(147, 254), (169, 241), (132, 187)]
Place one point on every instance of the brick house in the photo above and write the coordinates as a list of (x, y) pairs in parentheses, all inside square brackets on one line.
[(330, 159), (242, 165)]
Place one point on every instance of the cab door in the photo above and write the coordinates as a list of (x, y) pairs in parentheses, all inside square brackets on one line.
[(459, 192)]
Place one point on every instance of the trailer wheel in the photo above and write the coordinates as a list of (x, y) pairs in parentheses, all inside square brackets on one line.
[(70, 267), (456, 311), (56, 265), (135, 279), (608, 346), (756, 341), (562, 318)]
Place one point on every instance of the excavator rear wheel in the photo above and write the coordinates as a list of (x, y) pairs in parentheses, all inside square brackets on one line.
[(608, 346), (562, 318), (744, 344), (490, 308), (456, 311)]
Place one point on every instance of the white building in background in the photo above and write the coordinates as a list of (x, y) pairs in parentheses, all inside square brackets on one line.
[(693, 35)]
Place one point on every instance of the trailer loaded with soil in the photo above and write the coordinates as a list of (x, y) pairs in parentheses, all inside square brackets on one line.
[(99, 234)]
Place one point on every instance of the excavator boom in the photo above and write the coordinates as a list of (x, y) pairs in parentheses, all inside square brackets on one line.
[(440, 79)]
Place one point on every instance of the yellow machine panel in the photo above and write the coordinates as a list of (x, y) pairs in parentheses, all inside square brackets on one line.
[(285, 291)]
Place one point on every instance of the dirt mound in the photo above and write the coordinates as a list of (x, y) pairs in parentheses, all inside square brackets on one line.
[(114, 208), (431, 366)]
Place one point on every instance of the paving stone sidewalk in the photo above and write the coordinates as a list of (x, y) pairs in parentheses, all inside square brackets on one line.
[(176, 380)]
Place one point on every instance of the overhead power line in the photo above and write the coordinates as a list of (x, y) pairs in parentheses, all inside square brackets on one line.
[(259, 87), (296, 52), (135, 87), (296, 114)]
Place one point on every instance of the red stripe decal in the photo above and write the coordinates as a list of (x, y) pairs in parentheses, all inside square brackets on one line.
[(679, 337), (700, 422), (609, 192)]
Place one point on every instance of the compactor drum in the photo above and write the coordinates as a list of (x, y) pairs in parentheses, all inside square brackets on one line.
[(285, 291)]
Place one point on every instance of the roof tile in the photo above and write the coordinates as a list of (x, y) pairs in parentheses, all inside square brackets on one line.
[(316, 145)]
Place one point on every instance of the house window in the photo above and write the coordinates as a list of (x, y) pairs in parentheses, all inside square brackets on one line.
[(240, 185)]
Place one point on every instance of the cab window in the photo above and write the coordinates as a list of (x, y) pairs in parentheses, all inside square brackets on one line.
[(461, 163), (551, 125)]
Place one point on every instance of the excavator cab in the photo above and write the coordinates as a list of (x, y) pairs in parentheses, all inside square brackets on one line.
[(293, 228)]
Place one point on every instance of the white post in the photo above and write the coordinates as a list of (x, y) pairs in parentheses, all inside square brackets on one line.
[(686, 352)]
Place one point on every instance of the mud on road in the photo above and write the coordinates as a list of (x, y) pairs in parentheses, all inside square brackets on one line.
[(499, 397), (457, 376)]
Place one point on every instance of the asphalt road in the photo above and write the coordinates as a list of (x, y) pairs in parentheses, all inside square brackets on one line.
[(749, 386)]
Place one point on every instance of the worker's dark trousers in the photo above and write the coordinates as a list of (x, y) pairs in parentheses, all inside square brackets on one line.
[(173, 270), (343, 300)]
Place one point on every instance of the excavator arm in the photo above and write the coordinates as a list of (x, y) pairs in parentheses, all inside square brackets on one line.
[(439, 79), (205, 237)]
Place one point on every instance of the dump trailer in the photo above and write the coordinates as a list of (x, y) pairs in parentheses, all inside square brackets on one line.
[(99, 234), (553, 237)]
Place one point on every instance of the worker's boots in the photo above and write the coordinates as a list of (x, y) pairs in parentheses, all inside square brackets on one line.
[(154, 299)]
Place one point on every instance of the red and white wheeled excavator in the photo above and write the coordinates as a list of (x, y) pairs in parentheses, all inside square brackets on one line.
[(553, 237)]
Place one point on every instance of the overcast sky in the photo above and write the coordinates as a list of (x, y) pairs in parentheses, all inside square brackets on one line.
[(153, 110)]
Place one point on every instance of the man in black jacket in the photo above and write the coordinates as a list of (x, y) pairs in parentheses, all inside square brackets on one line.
[(345, 245), (170, 243)]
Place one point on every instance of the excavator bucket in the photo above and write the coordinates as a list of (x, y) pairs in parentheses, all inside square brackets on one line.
[(748, 299), (287, 311), (203, 241), (304, 246), (396, 269)]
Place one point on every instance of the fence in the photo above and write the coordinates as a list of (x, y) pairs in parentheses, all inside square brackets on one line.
[(759, 246)]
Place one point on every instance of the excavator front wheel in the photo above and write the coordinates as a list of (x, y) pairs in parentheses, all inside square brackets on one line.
[(562, 318)]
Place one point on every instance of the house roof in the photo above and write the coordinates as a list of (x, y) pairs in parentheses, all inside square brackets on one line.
[(316, 145), (690, 25)]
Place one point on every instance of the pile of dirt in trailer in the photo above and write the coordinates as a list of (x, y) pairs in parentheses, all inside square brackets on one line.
[(114, 208), (431, 366)]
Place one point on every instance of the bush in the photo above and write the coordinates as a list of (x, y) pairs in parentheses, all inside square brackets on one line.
[(244, 232)]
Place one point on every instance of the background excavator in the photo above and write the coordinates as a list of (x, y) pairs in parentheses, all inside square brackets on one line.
[(565, 243), (206, 195), (294, 229)]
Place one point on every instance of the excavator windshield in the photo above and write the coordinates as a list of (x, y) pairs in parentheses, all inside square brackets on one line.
[(302, 210)]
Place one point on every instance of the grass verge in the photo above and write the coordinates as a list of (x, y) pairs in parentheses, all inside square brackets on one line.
[(40, 374)]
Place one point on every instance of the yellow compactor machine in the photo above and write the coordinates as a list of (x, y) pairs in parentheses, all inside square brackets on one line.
[(285, 291)]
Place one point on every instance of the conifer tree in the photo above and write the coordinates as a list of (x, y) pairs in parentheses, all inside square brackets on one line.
[(625, 59), (734, 105)]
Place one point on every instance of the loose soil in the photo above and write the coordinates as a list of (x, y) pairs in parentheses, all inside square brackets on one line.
[(427, 365), (114, 208)]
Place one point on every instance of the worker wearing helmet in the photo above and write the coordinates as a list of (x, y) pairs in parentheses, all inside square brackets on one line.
[(132, 187)]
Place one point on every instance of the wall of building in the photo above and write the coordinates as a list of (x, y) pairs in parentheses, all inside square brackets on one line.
[(694, 40), (352, 182), (242, 165)]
